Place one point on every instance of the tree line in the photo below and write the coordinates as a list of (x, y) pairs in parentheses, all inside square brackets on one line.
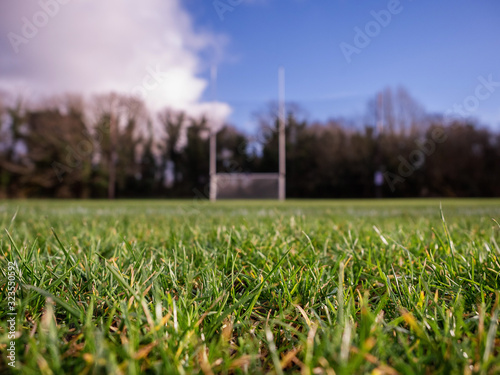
[(111, 146)]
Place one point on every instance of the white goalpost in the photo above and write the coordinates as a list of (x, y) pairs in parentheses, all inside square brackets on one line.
[(282, 140), (250, 185), (213, 140)]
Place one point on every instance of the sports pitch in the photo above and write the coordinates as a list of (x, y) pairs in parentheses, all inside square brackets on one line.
[(311, 287)]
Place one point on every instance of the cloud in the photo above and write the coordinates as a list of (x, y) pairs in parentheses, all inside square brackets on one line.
[(150, 49)]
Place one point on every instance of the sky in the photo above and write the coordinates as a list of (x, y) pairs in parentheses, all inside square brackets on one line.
[(337, 53)]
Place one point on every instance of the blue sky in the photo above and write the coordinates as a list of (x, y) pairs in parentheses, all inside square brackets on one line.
[(162, 50), (436, 49)]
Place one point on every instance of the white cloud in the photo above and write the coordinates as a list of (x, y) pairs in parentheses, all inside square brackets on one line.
[(149, 48)]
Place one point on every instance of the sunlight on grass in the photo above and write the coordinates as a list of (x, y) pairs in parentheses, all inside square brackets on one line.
[(311, 287)]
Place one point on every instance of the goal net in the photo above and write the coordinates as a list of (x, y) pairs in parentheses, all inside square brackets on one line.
[(247, 186)]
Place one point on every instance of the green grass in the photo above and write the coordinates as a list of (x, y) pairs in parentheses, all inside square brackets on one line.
[(312, 287)]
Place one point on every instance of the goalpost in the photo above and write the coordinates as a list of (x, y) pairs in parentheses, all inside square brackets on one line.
[(250, 185)]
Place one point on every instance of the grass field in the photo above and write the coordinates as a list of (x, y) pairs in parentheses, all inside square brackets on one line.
[(312, 287)]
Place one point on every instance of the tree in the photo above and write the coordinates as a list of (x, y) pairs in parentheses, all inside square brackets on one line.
[(195, 156), (232, 147), (173, 123), (59, 152), (396, 112), (119, 125)]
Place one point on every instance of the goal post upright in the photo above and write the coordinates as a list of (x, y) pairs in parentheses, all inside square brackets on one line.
[(282, 139), (213, 138), (213, 167)]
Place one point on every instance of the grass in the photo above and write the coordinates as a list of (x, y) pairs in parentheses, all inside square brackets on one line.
[(311, 287)]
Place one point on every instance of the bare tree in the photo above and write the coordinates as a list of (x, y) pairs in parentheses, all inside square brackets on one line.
[(120, 128), (395, 112)]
